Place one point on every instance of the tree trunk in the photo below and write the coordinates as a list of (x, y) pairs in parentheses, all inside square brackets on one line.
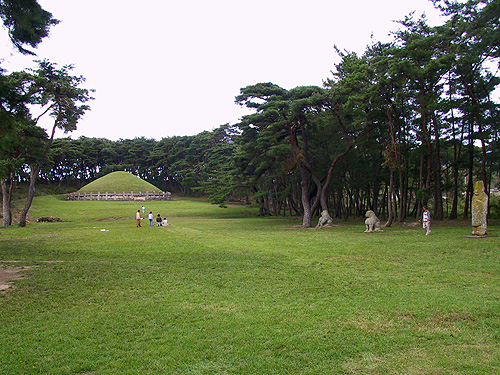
[(438, 191), (7, 190), (470, 183), (383, 203), (29, 198), (306, 204), (390, 200), (323, 189), (479, 120), (33, 176), (376, 193), (403, 197), (457, 152), (294, 204), (454, 205)]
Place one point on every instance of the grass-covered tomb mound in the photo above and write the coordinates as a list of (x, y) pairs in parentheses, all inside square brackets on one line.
[(119, 181)]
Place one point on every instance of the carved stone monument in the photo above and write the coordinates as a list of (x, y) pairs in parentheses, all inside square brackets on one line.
[(372, 222), (325, 220), (479, 210)]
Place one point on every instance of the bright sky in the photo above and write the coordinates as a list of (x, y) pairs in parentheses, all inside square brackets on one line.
[(163, 68)]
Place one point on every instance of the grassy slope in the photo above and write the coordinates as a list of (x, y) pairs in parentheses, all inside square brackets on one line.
[(118, 181), (225, 292)]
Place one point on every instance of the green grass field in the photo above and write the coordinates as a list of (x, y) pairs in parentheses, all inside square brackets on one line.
[(222, 291)]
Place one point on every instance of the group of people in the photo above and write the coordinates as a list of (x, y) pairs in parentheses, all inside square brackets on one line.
[(159, 221), (426, 219)]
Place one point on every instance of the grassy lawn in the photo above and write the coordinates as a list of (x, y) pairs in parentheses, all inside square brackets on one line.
[(223, 291)]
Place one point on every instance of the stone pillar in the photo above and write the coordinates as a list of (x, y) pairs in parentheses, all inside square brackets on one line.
[(479, 210)]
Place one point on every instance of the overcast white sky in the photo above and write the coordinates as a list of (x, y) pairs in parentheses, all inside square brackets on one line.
[(163, 68)]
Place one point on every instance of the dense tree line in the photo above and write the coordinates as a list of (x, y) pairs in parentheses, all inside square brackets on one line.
[(406, 123)]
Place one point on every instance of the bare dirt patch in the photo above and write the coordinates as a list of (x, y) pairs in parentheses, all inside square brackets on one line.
[(116, 218), (299, 226), (10, 274)]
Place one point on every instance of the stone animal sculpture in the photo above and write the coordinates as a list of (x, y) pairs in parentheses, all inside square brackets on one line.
[(324, 220), (372, 222)]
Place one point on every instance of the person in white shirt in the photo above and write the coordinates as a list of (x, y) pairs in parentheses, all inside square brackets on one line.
[(426, 221)]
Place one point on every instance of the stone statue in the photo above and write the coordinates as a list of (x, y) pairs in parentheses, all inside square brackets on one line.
[(324, 220), (372, 222), (479, 210)]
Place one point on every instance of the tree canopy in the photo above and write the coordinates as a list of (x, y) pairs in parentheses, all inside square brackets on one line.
[(407, 123), (27, 23)]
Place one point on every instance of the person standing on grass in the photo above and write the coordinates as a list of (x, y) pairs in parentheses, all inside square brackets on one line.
[(158, 220), (143, 209), (138, 218), (426, 220), (150, 217)]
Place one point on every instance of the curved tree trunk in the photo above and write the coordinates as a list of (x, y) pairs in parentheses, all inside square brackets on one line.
[(29, 199), (34, 175), (322, 190), (306, 204)]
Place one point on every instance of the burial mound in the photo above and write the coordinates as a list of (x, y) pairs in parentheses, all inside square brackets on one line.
[(119, 181)]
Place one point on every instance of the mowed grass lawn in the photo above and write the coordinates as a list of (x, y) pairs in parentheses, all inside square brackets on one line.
[(222, 291)]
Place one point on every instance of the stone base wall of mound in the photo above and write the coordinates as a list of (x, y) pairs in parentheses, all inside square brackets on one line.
[(123, 196)]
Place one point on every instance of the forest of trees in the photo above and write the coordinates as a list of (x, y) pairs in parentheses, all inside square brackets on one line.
[(410, 122)]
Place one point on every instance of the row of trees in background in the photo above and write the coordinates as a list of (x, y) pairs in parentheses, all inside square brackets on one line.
[(406, 123)]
